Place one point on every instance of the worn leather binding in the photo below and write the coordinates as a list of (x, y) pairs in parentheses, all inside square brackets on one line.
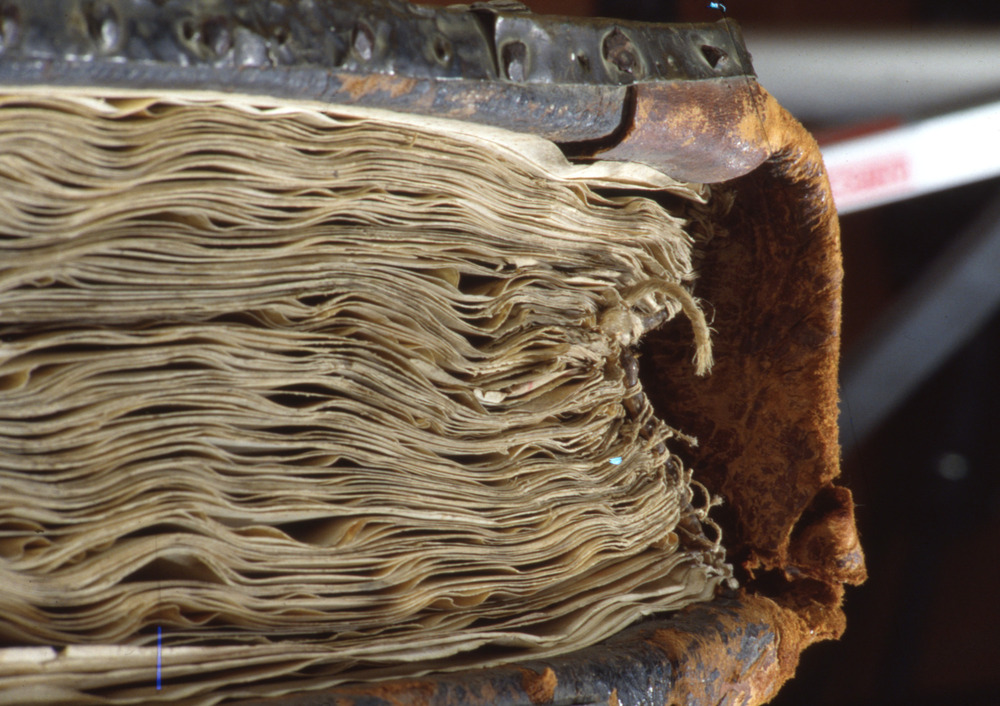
[(765, 419)]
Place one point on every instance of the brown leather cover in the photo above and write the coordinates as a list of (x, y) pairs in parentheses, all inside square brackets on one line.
[(766, 418)]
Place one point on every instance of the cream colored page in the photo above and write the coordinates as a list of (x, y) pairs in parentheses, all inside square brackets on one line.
[(341, 395)]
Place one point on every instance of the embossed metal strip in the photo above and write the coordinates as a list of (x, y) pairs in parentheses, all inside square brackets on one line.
[(563, 79)]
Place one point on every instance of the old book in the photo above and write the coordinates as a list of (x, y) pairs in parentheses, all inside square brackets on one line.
[(292, 395)]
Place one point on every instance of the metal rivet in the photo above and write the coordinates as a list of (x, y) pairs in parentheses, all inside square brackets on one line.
[(211, 36), (442, 49), (251, 49), (364, 41), (281, 34), (188, 29), (514, 56), (216, 36), (621, 53), (713, 55), (10, 20), (103, 25)]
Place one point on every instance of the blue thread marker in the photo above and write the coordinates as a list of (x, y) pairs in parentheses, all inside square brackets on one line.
[(717, 6), (159, 654), (616, 461)]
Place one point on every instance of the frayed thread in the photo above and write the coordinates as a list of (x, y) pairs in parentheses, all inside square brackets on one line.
[(703, 359)]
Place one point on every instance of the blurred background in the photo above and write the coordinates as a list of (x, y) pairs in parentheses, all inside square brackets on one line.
[(904, 96)]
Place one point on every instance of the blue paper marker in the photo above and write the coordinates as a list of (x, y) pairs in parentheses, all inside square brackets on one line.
[(716, 6), (159, 654), (616, 461)]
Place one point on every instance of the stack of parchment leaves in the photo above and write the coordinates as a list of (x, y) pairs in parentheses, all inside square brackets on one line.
[(305, 395)]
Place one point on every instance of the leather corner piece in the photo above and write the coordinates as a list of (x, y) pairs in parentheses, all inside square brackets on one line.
[(825, 545)]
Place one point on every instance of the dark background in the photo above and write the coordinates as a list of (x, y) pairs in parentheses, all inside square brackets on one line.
[(924, 629)]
